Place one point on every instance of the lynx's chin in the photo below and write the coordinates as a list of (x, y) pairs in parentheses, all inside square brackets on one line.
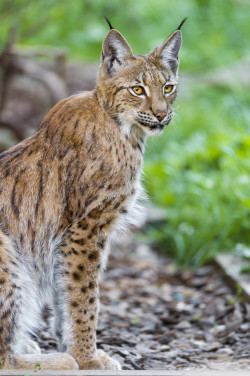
[(155, 132), (154, 128)]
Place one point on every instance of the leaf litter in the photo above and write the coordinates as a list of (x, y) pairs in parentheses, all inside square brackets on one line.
[(155, 316)]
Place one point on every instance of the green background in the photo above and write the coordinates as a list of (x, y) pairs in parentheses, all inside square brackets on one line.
[(198, 170)]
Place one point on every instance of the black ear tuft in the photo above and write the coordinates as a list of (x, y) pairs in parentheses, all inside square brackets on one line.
[(182, 22), (109, 23)]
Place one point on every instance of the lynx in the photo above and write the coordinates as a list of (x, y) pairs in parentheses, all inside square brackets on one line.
[(64, 194)]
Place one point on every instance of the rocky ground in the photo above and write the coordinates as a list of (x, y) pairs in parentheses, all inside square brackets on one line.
[(155, 316)]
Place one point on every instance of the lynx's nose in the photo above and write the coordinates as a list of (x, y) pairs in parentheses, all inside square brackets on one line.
[(160, 115)]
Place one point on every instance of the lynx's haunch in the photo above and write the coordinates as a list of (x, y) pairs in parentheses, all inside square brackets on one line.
[(64, 194)]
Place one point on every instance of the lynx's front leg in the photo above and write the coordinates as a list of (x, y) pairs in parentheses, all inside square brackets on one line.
[(82, 257)]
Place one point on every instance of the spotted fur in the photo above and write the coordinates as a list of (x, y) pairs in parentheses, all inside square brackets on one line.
[(66, 192)]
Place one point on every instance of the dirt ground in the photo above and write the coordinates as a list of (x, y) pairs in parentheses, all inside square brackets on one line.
[(154, 316)]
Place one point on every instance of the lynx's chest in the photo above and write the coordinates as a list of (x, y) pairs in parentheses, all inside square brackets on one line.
[(131, 196), (129, 214)]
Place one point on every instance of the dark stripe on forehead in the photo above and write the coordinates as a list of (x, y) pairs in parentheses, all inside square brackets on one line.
[(165, 77), (151, 75), (160, 77), (154, 78), (137, 81), (144, 79)]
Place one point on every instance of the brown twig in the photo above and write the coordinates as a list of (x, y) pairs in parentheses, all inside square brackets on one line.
[(5, 63)]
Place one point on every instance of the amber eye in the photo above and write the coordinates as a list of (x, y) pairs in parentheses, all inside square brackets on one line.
[(168, 89), (138, 90)]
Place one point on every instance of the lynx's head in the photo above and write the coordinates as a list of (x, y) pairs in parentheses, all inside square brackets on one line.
[(138, 90)]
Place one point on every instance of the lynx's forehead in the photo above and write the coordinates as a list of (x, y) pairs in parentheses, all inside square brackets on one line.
[(149, 74)]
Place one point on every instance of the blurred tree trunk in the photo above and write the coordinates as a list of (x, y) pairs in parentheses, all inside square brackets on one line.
[(13, 63)]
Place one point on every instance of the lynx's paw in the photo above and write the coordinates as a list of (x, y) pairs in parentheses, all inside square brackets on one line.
[(102, 361), (54, 361)]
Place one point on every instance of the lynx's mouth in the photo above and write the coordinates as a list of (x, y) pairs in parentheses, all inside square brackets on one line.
[(153, 125)]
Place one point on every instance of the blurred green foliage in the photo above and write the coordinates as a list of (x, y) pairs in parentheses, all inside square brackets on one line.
[(199, 171), (199, 168), (217, 31)]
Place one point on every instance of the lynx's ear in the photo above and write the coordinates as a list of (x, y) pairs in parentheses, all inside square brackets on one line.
[(168, 52), (115, 51)]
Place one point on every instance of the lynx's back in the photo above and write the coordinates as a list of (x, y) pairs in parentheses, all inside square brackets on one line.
[(64, 194)]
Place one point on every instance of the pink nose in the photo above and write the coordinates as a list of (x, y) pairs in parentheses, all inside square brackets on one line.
[(160, 115)]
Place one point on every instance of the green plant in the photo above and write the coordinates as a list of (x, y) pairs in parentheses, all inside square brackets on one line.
[(245, 269), (199, 171), (209, 35)]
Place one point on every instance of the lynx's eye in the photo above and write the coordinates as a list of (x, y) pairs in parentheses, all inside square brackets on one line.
[(138, 90), (168, 89)]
